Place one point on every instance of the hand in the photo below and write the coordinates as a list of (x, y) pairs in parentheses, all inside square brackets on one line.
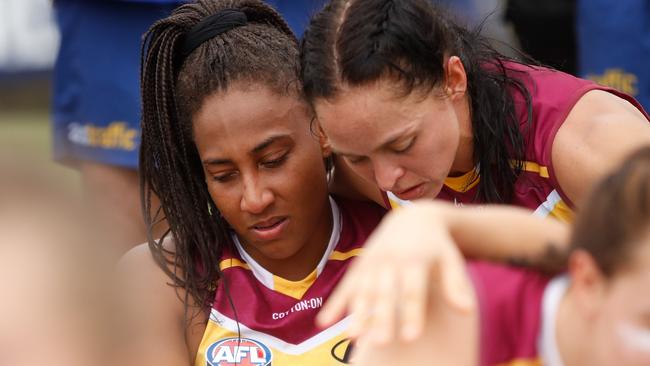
[(407, 260)]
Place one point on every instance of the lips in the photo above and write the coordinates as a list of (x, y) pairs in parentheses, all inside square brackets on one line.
[(270, 229), (412, 193)]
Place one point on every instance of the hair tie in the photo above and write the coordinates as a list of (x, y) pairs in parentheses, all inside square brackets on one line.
[(210, 27)]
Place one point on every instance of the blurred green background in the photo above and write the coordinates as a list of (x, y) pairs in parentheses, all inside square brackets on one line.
[(25, 128)]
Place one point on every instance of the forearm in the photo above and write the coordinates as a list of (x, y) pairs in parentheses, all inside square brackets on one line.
[(506, 234)]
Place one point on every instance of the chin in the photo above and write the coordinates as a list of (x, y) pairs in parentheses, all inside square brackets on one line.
[(276, 250)]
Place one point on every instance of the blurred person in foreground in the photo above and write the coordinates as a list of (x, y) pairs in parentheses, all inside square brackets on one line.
[(55, 306), (595, 314)]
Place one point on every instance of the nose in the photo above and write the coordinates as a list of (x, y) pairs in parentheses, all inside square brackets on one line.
[(387, 174), (255, 197)]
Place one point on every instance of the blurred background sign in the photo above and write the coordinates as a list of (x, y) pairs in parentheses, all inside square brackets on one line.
[(28, 36)]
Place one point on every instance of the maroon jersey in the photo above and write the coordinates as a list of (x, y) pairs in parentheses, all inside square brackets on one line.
[(266, 319), (517, 308)]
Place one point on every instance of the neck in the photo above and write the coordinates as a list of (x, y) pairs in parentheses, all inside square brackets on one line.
[(464, 160), (571, 329), (306, 259)]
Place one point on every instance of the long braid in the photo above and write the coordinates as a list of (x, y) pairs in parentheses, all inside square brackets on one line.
[(173, 90)]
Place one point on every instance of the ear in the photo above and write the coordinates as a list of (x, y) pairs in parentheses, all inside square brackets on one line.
[(323, 140), (587, 282), (456, 78)]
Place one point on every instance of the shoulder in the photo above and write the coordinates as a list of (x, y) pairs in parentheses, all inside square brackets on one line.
[(600, 131), (366, 214), (139, 261), (154, 311), (358, 220), (141, 277)]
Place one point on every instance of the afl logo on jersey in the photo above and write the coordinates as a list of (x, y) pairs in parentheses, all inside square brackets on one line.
[(238, 351)]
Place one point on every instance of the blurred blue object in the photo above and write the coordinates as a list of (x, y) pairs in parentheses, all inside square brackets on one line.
[(96, 103), (614, 45)]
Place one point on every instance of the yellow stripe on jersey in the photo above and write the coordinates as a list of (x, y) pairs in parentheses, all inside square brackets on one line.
[(562, 212), (295, 289), (533, 167), (232, 262), (394, 204), (554, 206), (464, 182), (469, 180), (523, 362), (341, 256)]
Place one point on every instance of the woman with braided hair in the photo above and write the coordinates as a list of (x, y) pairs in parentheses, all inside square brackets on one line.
[(421, 108), (255, 243)]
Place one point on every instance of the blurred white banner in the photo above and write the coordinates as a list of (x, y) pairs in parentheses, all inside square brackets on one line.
[(28, 36)]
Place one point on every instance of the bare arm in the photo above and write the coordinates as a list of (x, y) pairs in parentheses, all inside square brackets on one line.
[(600, 131), (418, 248), (506, 234), (153, 313)]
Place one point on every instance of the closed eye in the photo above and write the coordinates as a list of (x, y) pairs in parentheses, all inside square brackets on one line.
[(356, 159), (274, 163), (223, 178), (404, 147)]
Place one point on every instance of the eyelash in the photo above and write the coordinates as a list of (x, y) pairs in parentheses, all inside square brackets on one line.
[(276, 162), (271, 164), (358, 160), (223, 178), (411, 143)]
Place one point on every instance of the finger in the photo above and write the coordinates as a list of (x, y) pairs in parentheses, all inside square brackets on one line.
[(456, 285), (337, 305), (414, 284), (361, 306), (383, 319)]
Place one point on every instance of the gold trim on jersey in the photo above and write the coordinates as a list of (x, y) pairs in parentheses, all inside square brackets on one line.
[(233, 262), (554, 206), (341, 256), (533, 167), (314, 351), (462, 183), (295, 289)]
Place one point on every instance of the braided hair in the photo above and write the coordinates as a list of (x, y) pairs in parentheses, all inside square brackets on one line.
[(356, 43), (174, 86)]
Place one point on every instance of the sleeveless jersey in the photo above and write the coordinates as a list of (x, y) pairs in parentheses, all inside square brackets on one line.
[(553, 95), (258, 318), (517, 310)]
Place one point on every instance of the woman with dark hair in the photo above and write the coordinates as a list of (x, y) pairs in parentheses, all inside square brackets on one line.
[(423, 108), (255, 244), (596, 314)]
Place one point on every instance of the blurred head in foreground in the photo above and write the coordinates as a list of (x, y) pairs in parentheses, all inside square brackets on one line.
[(610, 265)]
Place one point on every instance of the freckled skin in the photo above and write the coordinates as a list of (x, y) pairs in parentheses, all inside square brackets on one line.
[(360, 120)]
